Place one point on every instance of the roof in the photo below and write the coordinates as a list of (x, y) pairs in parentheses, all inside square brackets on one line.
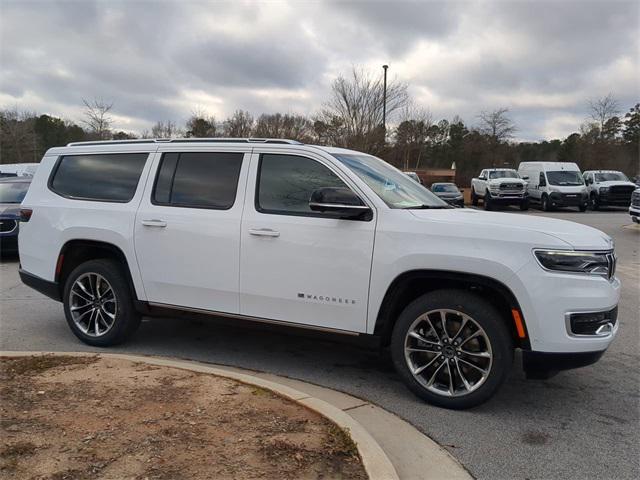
[(186, 140), (26, 179), (602, 171)]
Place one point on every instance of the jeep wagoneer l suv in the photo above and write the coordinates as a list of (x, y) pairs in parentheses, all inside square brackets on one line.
[(317, 237)]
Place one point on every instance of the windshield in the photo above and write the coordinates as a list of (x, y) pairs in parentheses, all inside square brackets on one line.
[(611, 177), (13, 192), (445, 188), (503, 174), (565, 177), (395, 188)]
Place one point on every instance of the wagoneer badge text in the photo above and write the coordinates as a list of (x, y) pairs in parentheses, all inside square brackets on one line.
[(325, 298)]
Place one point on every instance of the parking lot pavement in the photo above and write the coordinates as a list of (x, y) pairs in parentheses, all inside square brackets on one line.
[(579, 424)]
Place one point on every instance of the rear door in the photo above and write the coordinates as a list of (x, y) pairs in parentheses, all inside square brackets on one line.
[(188, 226), (297, 265)]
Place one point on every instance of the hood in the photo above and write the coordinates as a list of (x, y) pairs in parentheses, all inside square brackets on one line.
[(617, 183), (10, 209), (499, 181), (448, 194), (574, 235)]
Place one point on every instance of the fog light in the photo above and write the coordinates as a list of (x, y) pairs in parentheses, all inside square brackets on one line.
[(591, 323)]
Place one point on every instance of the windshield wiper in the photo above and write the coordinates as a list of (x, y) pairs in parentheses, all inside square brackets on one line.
[(426, 207)]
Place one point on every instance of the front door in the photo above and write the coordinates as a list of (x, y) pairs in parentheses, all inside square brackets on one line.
[(297, 265), (188, 228)]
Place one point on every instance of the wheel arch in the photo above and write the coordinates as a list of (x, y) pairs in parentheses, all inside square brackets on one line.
[(409, 285), (77, 251)]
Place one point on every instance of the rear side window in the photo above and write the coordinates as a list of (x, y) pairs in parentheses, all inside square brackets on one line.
[(105, 177), (285, 184), (198, 180)]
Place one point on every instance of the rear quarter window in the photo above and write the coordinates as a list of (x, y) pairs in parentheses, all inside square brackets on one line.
[(102, 177)]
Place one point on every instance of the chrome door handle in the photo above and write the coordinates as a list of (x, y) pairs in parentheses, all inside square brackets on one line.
[(154, 223), (263, 232)]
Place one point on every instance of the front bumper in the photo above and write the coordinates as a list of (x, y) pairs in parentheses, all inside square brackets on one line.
[(634, 211), (567, 199), (507, 198), (543, 365)]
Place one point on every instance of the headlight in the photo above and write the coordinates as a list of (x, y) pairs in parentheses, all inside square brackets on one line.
[(591, 263), (603, 189)]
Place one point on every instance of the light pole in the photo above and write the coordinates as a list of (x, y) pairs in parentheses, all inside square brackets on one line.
[(384, 100)]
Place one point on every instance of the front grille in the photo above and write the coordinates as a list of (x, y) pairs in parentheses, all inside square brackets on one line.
[(635, 199), (588, 323), (7, 225), (620, 193), (511, 186)]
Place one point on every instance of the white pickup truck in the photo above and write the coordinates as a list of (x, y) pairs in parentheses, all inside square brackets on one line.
[(501, 186)]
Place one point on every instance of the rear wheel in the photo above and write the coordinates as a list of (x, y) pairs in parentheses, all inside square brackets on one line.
[(452, 349), (474, 198), (98, 303)]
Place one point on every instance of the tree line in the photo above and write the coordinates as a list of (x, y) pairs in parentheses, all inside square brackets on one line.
[(352, 118)]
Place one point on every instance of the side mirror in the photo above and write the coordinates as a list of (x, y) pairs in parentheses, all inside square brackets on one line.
[(525, 177), (482, 177), (340, 203)]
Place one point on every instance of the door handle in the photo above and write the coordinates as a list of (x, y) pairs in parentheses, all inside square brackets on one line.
[(154, 223), (263, 232)]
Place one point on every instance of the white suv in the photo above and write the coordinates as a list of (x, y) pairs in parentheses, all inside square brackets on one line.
[(318, 237)]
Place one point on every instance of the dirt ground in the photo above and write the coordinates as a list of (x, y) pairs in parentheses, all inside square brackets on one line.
[(96, 418)]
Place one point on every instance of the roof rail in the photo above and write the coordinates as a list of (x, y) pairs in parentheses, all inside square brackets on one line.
[(187, 140)]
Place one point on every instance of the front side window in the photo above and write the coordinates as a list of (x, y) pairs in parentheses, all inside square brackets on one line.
[(106, 177), (285, 184), (198, 180), (390, 184), (611, 177), (565, 178), (13, 192)]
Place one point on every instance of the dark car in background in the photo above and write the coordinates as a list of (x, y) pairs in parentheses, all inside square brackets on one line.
[(12, 191), (449, 193)]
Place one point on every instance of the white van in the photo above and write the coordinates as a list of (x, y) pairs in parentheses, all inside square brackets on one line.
[(555, 184)]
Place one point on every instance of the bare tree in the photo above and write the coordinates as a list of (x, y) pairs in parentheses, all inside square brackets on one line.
[(277, 125), (603, 109), (166, 129), (412, 133), (239, 125), (353, 116), (18, 139), (498, 126), (97, 116), (201, 125)]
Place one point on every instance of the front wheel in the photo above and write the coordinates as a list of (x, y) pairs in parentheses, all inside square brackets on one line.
[(594, 203), (546, 206), (488, 204), (98, 303), (452, 348), (524, 205)]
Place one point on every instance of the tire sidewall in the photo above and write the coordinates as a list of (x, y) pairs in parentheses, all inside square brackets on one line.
[(485, 315), (127, 318)]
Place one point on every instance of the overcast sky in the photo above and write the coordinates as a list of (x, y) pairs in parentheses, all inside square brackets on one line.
[(163, 60)]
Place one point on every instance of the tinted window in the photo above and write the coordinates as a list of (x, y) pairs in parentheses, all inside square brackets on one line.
[(198, 179), (503, 174), (611, 177), (109, 177), (286, 182), (13, 192), (565, 178)]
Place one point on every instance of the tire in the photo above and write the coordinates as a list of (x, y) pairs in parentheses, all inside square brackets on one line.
[(474, 198), (114, 314), (484, 317), (488, 204), (583, 207), (524, 205), (593, 202), (544, 202)]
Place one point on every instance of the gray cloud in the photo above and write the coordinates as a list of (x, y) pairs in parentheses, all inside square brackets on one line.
[(162, 60)]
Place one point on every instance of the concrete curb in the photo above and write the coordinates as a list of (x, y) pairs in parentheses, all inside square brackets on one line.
[(374, 459)]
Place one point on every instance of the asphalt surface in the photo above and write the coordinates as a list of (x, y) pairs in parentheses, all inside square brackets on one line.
[(580, 424)]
